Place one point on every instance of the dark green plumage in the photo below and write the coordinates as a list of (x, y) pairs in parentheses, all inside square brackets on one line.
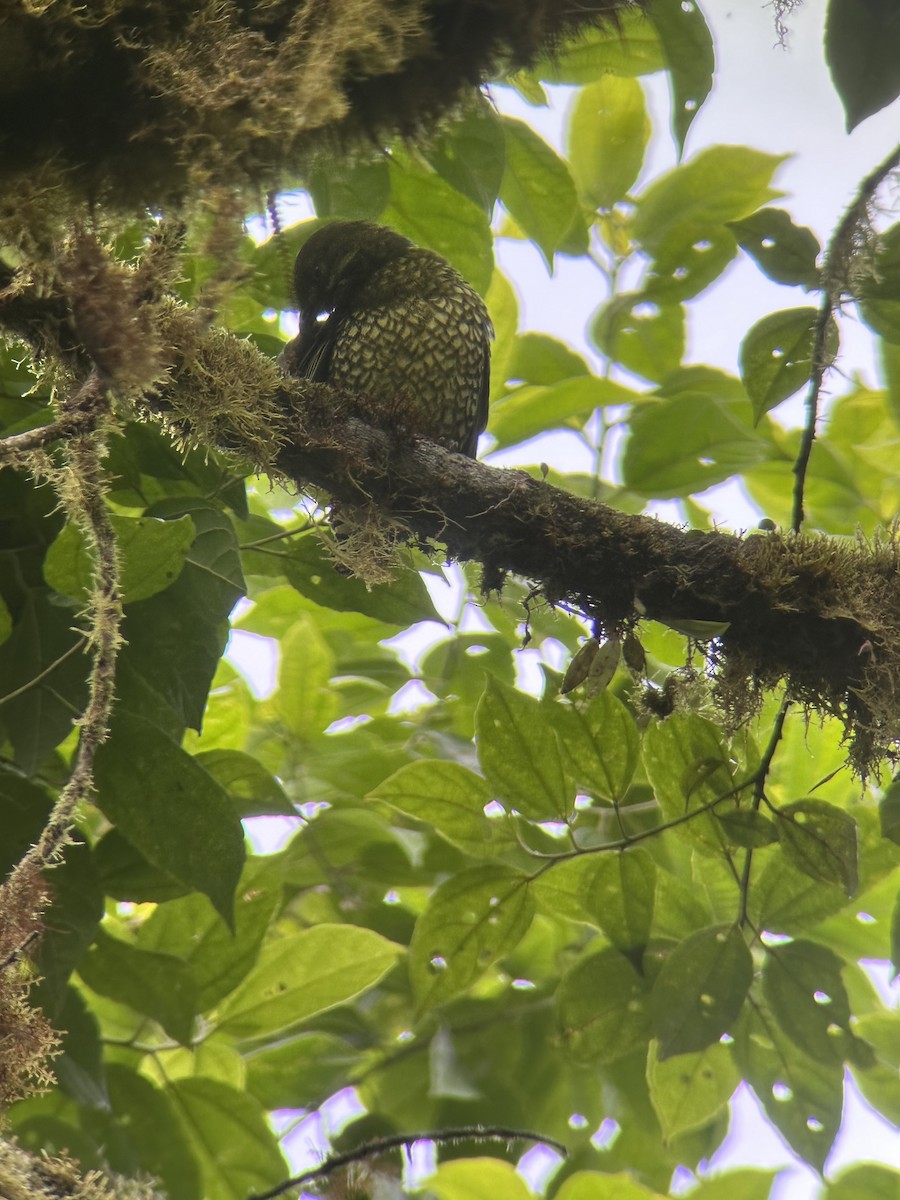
[(396, 325)]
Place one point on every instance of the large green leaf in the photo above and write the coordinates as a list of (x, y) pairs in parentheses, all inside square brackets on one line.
[(700, 990), (604, 1008), (776, 356), (802, 1096), (304, 974), (537, 188), (783, 251), (618, 893), (472, 919), (174, 812), (160, 986), (689, 1090), (688, 47), (519, 753), (821, 841), (862, 48), (608, 132), (452, 800), (227, 1129)]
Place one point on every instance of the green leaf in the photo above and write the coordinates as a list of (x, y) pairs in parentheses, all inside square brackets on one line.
[(745, 1183), (478, 1179), (687, 442), (681, 270), (299, 1069), (537, 189), (688, 766), (6, 621), (877, 290), (220, 958), (862, 49), (433, 214), (152, 552), (821, 841), (179, 818), (452, 800), (592, 1185), (607, 137), (689, 1090), (747, 827), (691, 60), (237, 1152), (144, 1135), (525, 412), (43, 676), (802, 1096), (70, 924), (870, 1180), (600, 747), (471, 154), (630, 47), (305, 701), (306, 973), (540, 359), (519, 753), (174, 640), (305, 564), (603, 1008), (776, 356), (354, 190), (160, 986), (878, 1082), (253, 790), (619, 894), (721, 184), (79, 1067), (472, 919), (804, 991), (786, 900), (783, 251), (642, 336), (700, 990)]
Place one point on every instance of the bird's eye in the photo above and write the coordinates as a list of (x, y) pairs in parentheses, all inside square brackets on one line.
[(323, 316)]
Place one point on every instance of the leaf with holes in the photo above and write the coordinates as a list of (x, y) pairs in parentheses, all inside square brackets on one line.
[(690, 58), (700, 990), (689, 1090), (821, 841), (802, 1096), (802, 986), (776, 356), (473, 919), (783, 251)]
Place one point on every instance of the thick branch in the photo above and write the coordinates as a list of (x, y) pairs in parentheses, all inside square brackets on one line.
[(815, 611)]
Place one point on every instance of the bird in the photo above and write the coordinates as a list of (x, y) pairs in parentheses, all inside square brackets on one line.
[(397, 326)]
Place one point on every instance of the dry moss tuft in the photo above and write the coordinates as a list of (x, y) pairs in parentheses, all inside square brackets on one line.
[(25, 1176)]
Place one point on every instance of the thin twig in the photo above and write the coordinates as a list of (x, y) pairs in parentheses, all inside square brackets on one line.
[(484, 1133), (835, 270)]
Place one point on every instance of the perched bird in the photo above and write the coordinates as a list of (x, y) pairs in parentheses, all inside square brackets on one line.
[(397, 326)]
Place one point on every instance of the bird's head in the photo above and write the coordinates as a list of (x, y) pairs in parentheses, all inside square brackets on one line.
[(337, 261)]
